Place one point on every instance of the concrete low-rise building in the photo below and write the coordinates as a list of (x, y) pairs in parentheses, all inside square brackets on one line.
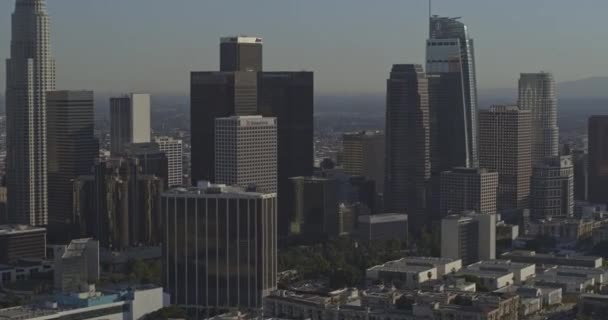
[(571, 283), (600, 235), (564, 229), (382, 305), (526, 256), (593, 306), (444, 266), (23, 270), (125, 304), (402, 274), (549, 295), (397, 269), (383, 227), (521, 271), (489, 279)]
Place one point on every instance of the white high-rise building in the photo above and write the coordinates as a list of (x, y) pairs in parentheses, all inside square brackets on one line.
[(537, 94), (246, 152), (30, 73), (129, 121), (173, 149), (469, 236)]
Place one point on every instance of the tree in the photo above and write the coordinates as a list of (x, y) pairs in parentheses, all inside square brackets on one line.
[(171, 312)]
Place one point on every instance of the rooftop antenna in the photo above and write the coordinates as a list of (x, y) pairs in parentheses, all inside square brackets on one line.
[(430, 8)]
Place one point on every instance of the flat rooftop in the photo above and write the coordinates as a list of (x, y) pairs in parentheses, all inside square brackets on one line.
[(241, 39), (207, 190), (499, 263), (25, 312), (10, 229), (533, 254), (401, 265), (385, 217), (484, 273)]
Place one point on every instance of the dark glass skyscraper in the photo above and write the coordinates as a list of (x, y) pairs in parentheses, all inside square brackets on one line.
[(289, 97), (285, 95), (598, 159), (118, 205), (450, 64), (216, 95), (408, 166), (72, 150), (241, 53)]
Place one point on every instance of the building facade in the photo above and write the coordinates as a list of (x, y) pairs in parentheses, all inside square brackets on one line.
[(289, 97), (241, 53), (129, 121), (598, 159), (315, 208), (150, 159), (363, 155), (552, 188), (470, 237), (537, 94), (382, 227), (408, 166), (174, 150), (220, 246), (118, 205), (246, 152), (582, 180), (72, 150), (30, 73), (21, 242), (465, 189), (216, 95), (505, 141), (284, 95), (75, 265), (450, 64)]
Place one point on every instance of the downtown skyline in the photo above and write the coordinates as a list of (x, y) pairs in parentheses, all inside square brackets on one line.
[(120, 53)]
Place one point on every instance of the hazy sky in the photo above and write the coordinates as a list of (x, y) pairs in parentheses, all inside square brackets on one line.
[(151, 45)]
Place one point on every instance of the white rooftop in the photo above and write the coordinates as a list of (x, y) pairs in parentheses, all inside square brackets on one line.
[(241, 39)]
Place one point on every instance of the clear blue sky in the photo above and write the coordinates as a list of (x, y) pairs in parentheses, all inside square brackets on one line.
[(151, 45)]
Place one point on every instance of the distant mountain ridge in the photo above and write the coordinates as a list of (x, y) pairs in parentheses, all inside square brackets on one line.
[(592, 88), (587, 88)]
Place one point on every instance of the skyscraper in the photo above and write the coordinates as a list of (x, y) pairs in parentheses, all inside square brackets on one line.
[(150, 159), (408, 167), (215, 95), (552, 188), (537, 94), (220, 248), (468, 189), (289, 97), (505, 141), (119, 205), (470, 237), (286, 96), (315, 208), (175, 156), (241, 53), (129, 121), (72, 150), (598, 159), (450, 64), (363, 155), (30, 73), (246, 152)]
